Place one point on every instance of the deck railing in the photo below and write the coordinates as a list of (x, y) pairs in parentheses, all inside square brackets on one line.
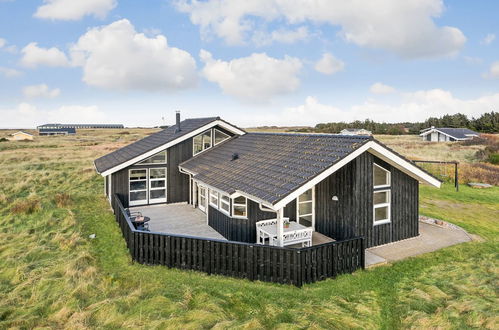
[(295, 266)]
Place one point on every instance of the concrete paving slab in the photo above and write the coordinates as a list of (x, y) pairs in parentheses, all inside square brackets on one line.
[(431, 238), (373, 260)]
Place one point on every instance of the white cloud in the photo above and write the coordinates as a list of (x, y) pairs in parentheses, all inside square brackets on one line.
[(488, 39), (10, 73), (41, 90), (9, 49), (34, 56), (74, 10), (115, 56), (414, 106), (26, 115), (328, 64), (405, 28), (3, 42), (380, 88), (493, 71), (255, 78), (285, 36)]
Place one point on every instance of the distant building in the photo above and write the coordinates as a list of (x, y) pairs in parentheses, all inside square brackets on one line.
[(80, 126), (446, 134), (64, 129), (355, 131), (20, 136)]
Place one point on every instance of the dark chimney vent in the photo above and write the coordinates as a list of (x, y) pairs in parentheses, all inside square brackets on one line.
[(235, 156), (177, 117)]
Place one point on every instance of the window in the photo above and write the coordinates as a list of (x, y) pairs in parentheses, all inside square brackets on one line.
[(381, 201), (220, 136), (381, 177), (214, 198), (202, 198), (225, 204), (305, 209), (239, 207), (201, 142), (157, 185), (138, 187), (159, 158)]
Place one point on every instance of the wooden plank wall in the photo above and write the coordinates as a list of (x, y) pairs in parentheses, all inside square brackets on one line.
[(352, 214), (178, 183), (241, 260)]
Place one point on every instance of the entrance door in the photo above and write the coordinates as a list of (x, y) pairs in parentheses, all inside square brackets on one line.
[(138, 187), (157, 185), (202, 198), (305, 205)]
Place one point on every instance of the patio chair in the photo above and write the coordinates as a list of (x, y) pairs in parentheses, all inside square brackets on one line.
[(133, 214)]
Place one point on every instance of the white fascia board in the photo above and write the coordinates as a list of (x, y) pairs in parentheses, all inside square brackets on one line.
[(375, 149), (403, 165), (200, 130), (283, 202)]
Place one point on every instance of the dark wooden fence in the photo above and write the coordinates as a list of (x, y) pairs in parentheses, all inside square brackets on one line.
[(238, 259)]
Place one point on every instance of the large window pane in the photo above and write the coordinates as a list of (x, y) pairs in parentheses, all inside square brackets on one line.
[(198, 144), (306, 196), (239, 211), (138, 196), (157, 184), (159, 158), (381, 197), (138, 185), (381, 176), (220, 136), (138, 174), (155, 194), (157, 173), (381, 213), (306, 208), (240, 200), (207, 140)]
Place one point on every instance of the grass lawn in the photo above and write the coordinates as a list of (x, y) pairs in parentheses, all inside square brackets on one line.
[(52, 275)]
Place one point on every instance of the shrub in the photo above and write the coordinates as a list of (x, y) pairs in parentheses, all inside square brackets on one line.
[(26, 206), (494, 159), (3, 139), (62, 199)]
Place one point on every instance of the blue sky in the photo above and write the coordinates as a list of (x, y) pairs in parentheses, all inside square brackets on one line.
[(260, 62)]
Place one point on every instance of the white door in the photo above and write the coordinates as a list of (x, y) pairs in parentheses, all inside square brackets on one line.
[(202, 198), (305, 205), (157, 185), (138, 187)]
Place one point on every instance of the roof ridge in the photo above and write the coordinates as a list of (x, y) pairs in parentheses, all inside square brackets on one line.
[(361, 137)]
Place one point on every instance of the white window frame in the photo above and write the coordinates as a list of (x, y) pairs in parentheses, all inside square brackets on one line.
[(142, 162), (202, 206), (142, 201), (234, 204), (157, 200), (303, 202), (214, 193), (389, 177), (194, 153), (215, 130), (387, 204), (221, 201)]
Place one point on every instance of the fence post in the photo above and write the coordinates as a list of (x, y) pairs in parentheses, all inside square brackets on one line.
[(456, 176)]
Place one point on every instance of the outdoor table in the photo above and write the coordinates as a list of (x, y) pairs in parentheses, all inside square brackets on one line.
[(138, 223)]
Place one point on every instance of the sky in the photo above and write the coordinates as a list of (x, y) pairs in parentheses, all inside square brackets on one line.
[(253, 63)]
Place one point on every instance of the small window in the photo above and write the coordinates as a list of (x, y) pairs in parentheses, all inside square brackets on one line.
[(201, 142), (381, 176), (220, 136), (240, 207), (225, 204), (159, 158), (381, 202), (214, 198)]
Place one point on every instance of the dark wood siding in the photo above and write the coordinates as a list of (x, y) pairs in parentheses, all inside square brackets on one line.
[(178, 183), (352, 214), (119, 185)]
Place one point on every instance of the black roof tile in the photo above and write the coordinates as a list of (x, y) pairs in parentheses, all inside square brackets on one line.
[(270, 165)]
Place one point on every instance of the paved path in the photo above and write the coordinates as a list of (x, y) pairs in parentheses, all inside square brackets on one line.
[(180, 219), (431, 238)]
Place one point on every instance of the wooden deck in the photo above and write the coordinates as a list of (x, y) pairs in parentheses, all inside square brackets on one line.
[(178, 219)]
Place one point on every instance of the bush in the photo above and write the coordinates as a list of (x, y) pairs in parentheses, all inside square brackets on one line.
[(26, 206), (494, 158), (3, 139)]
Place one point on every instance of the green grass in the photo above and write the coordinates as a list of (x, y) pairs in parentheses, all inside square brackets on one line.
[(52, 275)]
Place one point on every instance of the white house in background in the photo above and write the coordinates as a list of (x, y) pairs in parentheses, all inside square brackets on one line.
[(355, 131), (20, 136), (445, 134)]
